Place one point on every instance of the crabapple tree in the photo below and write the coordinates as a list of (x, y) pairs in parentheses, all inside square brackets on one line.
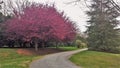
[(40, 22)]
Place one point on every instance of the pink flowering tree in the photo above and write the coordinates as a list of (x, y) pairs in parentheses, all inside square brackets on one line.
[(40, 22)]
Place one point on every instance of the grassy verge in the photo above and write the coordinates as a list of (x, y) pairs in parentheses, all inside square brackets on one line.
[(10, 59), (93, 59), (68, 48)]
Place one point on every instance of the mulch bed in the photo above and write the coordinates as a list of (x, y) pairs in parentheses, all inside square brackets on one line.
[(41, 51)]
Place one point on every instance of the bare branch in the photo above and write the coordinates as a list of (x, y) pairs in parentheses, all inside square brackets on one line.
[(76, 1)]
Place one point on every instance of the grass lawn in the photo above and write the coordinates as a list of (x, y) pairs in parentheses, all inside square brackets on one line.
[(10, 59), (68, 48), (93, 59)]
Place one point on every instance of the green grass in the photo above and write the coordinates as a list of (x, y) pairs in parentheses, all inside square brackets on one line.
[(93, 59), (10, 59), (68, 48)]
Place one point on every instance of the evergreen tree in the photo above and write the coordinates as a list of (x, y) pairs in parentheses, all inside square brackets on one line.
[(102, 32)]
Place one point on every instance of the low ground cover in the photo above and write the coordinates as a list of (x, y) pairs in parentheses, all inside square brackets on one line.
[(9, 58), (93, 59)]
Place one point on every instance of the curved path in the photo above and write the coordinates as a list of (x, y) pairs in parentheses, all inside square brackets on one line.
[(57, 60)]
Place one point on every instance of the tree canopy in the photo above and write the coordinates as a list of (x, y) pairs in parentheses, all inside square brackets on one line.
[(40, 22)]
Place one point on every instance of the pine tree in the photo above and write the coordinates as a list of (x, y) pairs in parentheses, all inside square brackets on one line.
[(102, 32)]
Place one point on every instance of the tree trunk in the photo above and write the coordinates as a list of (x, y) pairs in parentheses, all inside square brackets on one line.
[(36, 47), (43, 45), (56, 45)]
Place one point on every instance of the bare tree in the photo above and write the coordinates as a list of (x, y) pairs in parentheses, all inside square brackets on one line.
[(9, 6)]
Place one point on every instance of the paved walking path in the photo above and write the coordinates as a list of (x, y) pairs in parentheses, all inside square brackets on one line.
[(57, 60)]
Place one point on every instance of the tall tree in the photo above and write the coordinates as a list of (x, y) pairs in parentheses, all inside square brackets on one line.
[(40, 23), (102, 32)]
